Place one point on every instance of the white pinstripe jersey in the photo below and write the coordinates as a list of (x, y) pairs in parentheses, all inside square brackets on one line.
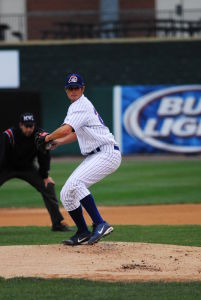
[(88, 125)]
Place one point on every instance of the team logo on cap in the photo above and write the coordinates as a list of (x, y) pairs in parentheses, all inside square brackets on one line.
[(73, 78), (28, 118)]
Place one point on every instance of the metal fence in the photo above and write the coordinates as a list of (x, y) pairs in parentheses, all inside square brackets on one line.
[(88, 24)]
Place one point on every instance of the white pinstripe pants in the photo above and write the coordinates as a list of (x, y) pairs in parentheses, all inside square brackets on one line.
[(94, 168)]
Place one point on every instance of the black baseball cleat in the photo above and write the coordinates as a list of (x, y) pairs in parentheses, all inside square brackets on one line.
[(78, 239), (62, 227), (99, 231)]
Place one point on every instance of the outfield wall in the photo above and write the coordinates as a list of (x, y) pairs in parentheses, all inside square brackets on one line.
[(104, 64)]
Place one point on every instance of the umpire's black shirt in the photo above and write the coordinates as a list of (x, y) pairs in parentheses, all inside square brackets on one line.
[(18, 152)]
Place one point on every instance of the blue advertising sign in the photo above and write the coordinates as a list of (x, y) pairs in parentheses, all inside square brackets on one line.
[(151, 119)]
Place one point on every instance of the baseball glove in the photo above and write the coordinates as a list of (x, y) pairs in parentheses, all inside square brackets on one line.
[(40, 142)]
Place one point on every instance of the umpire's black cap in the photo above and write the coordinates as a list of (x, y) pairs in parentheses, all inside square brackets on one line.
[(27, 118)]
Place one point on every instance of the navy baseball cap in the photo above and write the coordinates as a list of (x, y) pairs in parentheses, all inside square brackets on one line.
[(27, 118), (74, 80)]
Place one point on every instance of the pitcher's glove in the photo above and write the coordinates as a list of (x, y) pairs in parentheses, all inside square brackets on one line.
[(40, 142)]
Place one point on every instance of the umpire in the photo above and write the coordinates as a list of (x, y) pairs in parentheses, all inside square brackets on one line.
[(17, 160)]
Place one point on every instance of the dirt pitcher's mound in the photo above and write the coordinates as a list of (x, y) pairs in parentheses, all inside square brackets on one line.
[(103, 261)]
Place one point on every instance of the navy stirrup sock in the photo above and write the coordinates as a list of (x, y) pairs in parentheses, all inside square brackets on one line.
[(90, 206), (78, 218)]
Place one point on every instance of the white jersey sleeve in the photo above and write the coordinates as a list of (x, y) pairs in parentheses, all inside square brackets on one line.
[(88, 125), (77, 116)]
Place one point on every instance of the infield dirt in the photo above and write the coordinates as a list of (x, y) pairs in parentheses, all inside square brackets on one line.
[(122, 215)]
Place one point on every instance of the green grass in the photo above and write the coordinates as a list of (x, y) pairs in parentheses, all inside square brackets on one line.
[(134, 183), (162, 234), (69, 289)]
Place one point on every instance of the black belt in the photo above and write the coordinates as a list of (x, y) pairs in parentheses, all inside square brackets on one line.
[(98, 150)]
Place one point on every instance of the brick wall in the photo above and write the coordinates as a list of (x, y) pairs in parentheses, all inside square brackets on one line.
[(136, 4), (52, 5), (87, 12), (134, 12)]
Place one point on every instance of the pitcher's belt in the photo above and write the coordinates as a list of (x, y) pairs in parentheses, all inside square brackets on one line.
[(98, 149)]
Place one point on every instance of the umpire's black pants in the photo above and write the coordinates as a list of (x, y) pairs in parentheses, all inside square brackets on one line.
[(33, 177)]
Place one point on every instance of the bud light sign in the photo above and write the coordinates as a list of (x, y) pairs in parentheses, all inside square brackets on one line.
[(158, 118)]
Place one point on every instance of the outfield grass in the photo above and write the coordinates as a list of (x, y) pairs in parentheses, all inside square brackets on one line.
[(135, 183), (188, 235), (72, 289)]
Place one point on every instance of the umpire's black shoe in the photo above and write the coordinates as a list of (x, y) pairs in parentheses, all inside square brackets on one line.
[(61, 227), (78, 239)]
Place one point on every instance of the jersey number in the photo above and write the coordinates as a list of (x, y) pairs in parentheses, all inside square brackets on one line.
[(97, 114)]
